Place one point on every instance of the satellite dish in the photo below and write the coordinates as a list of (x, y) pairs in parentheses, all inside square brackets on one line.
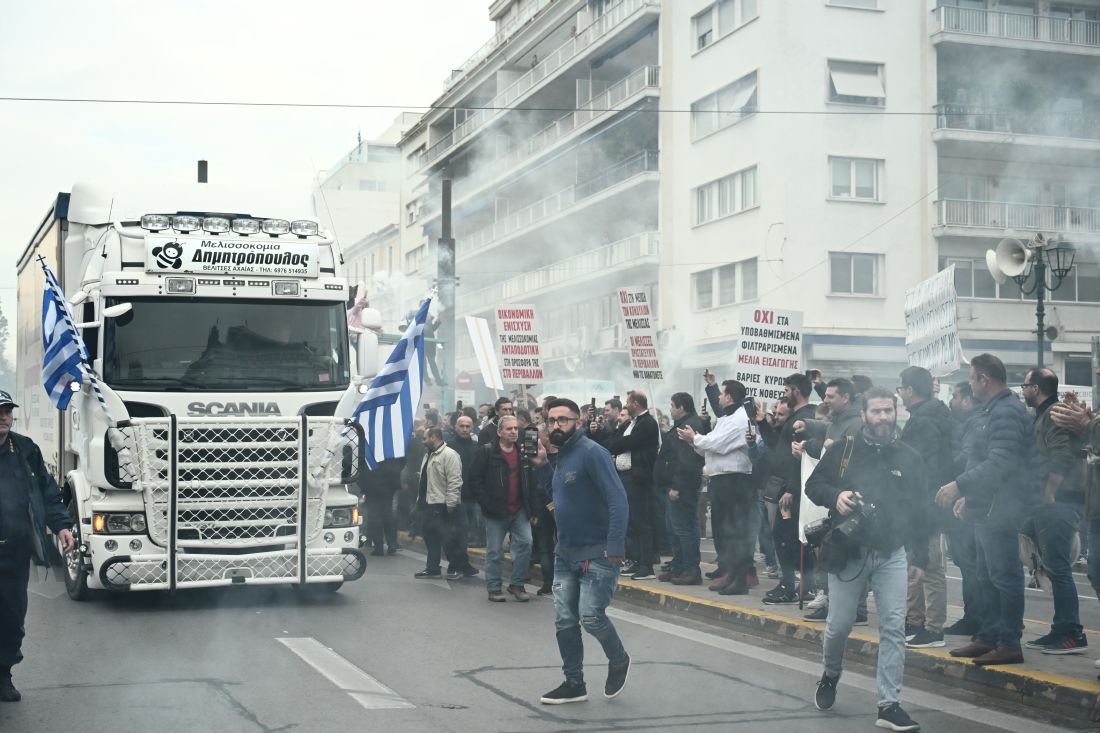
[(991, 265), (1013, 257)]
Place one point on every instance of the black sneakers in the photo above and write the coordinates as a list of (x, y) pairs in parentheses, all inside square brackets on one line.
[(616, 678), (1067, 645), (826, 692), (8, 693), (428, 575), (781, 594), (564, 693), (925, 639), (892, 717)]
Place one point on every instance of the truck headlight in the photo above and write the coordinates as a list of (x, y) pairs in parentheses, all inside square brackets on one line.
[(285, 287), (304, 228), (275, 226), (215, 224), (340, 516), (186, 223), (181, 285), (155, 222), (119, 523), (246, 226)]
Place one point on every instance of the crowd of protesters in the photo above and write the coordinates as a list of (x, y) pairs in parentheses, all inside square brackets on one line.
[(994, 464)]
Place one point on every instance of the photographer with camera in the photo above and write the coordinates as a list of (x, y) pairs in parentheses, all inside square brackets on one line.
[(500, 481), (875, 488)]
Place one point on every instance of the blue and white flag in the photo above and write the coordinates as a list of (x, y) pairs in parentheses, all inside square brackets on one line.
[(63, 349), (386, 410)]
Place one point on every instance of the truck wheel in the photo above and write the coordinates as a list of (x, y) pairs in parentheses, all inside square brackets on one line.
[(76, 577)]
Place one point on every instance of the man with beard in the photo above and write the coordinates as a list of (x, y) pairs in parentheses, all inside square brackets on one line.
[(466, 517), (634, 449), (590, 508), (878, 481)]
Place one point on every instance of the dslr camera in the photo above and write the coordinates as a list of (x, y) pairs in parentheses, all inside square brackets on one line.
[(858, 523)]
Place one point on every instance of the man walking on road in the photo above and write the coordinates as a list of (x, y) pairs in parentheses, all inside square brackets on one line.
[(29, 502), (875, 487), (440, 492), (590, 508)]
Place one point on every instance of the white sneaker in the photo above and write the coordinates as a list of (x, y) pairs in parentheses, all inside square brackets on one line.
[(821, 600), (1096, 664)]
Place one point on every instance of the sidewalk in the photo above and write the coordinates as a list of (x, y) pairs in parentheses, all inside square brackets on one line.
[(1064, 685)]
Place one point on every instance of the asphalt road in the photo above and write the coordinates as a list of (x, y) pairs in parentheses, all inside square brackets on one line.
[(390, 653)]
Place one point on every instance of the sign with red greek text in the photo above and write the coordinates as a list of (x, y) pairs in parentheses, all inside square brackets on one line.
[(641, 336), (518, 339), (769, 349)]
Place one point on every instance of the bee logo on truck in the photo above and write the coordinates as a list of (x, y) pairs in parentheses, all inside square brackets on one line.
[(170, 255)]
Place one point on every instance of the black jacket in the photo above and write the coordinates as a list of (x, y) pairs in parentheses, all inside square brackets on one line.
[(385, 478), (47, 506), (488, 433), (1001, 479), (642, 444), (465, 448), (889, 475), (488, 482), (836, 428), (930, 431), (678, 465), (787, 464)]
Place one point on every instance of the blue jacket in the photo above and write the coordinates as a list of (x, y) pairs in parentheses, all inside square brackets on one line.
[(1001, 479), (47, 507), (590, 507)]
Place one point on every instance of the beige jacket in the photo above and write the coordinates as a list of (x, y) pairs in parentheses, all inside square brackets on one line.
[(444, 468)]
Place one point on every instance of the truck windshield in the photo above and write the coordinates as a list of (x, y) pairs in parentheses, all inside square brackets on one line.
[(192, 344)]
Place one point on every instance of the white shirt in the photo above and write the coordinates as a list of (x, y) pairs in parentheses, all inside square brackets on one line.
[(725, 448)]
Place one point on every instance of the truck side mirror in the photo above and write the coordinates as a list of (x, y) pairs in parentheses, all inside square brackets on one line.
[(115, 311), (366, 354)]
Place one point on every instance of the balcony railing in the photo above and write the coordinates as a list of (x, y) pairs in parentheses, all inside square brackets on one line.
[(503, 34), (1019, 26), (643, 162), (602, 105), (595, 261), (987, 119), (506, 99), (1003, 215)]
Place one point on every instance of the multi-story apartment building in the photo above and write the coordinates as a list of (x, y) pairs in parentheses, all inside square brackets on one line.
[(837, 152), (820, 155), (549, 134)]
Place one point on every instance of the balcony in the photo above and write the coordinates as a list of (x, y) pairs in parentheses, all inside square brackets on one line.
[(615, 18), (619, 96), (503, 34), (565, 200), (971, 131), (641, 250), (1015, 30), (960, 217)]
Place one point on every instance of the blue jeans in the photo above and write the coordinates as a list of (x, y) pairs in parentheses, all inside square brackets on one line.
[(1055, 525), (1000, 582), (964, 553), (520, 549), (683, 516), (764, 532), (887, 574), (582, 593)]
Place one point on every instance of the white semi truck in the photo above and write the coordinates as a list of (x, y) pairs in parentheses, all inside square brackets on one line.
[(214, 452)]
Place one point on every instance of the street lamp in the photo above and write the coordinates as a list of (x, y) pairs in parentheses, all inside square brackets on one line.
[(1028, 265)]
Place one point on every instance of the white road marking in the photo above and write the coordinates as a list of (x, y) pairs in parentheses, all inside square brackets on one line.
[(929, 700), (364, 689)]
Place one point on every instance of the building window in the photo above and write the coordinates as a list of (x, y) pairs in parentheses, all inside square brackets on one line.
[(725, 285), (721, 19), (726, 196), (863, 4), (852, 82), (728, 106), (1078, 371), (853, 274), (855, 178), (371, 185)]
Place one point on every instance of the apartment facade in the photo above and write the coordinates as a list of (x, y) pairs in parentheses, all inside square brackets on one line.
[(834, 153), (549, 134), (822, 156)]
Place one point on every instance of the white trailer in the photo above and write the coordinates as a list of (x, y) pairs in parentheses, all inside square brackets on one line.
[(220, 453)]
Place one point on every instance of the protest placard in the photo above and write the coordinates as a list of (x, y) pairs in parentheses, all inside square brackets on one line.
[(518, 343), (769, 349), (641, 336), (483, 350), (931, 324)]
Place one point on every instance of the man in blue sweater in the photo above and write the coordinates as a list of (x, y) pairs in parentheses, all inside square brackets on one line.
[(590, 510)]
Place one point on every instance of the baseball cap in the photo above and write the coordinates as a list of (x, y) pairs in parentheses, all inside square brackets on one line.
[(5, 399)]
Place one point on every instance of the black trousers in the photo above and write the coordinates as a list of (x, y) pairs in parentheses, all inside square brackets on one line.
[(455, 546), (14, 575), (732, 496), (544, 534), (437, 532), (381, 525), (640, 496)]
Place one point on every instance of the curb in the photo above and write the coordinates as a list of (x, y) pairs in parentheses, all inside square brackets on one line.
[(1067, 697)]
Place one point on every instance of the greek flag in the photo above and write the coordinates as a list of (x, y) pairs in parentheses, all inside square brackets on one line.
[(63, 349), (386, 410)]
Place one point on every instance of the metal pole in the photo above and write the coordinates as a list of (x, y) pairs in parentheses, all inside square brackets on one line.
[(1040, 291), (1095, 376), (445, 275)]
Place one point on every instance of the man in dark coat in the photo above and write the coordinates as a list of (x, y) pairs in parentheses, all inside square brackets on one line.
[(29, 503)]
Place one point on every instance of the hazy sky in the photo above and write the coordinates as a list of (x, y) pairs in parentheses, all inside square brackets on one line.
[(373, 52)]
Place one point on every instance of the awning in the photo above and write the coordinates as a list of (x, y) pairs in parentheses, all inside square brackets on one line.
[(857, 83)]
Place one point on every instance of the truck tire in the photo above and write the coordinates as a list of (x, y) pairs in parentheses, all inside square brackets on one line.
[(76, 577)]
